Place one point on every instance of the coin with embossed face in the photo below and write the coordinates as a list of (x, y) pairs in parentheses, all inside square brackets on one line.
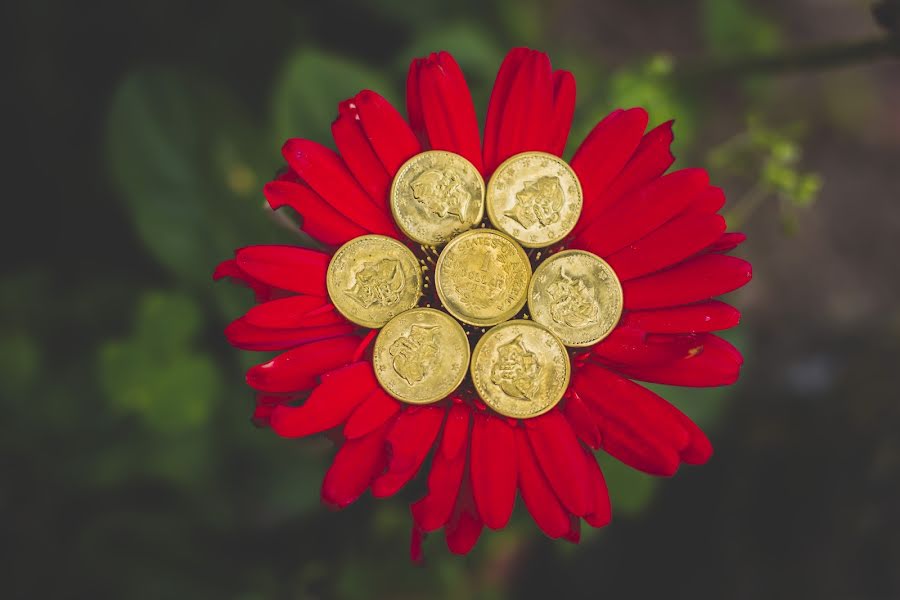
[(520, 369), (437, 195), (421, 356), (534, 197), (577, 296), (372, 278), (482, 277)]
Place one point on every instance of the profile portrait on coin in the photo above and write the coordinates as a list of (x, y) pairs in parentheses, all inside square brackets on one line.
[(517, 371), (573, 303), (538, 202), (378, 282), (441, 193), (413, 353)]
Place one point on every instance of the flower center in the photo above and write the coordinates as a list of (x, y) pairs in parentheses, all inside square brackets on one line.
[(482, 278)]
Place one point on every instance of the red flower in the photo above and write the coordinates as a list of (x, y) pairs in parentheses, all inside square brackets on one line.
[(661, 233)]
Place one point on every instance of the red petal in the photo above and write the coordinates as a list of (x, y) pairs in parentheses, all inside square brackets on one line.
[(415, 545), (324, 171), (320, 221), (545, 508), (711, 315), (635, 428), (675, 241), (696, 279), (371, 414), (409, 440), (526, 115), (298, 369), (287, 267), (601, 514), (414, 101), (719, 363), (629, 346), (559, 456), (262, 291), (493, 469), (391, 138), (445, 477), (651, 159), (727, 242), (355, 465), (443, 103), (642, 212), (563, 109), (246, 336), (574, 533), (330, 403), (630, 405), (602, 155), (294, 312), (497, 105), (710, 200), (582, 421), (464, 527), (358, 154)]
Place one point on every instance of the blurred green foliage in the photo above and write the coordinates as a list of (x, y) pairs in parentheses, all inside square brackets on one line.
[(202, 504)]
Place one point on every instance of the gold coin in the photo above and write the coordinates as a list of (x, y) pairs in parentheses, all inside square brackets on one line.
[(372, 278), (534, 197), (577, 296), (482, 277), (520, 369), (421, 356), (437, 195)]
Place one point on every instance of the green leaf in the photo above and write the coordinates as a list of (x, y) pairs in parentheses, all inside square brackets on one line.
[(185, 162), (309, 88), (155, 374), (733, 29)]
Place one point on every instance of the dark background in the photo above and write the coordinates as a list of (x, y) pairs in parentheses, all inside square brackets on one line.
[(140, 135)]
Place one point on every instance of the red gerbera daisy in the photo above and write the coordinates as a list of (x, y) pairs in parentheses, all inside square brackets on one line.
[(661, 234)]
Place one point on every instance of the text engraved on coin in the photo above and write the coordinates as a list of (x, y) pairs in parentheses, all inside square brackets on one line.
[(482, 277)]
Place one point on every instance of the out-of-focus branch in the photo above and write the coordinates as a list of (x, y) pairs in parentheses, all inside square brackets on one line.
[(820, 57)]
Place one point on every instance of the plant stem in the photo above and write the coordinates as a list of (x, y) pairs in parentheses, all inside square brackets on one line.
[(819, 57)]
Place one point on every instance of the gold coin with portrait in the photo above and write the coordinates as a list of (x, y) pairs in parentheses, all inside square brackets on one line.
[(520, 369), (373, 278), (577, 296), (482, 277), (437, 195), (535, 197), (421, 356)]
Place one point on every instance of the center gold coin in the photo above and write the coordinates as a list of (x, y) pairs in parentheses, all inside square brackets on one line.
[(520, 369), (535, 197), (482, 277), (372, 278), (437, 195), (577, 296), (421, 356)]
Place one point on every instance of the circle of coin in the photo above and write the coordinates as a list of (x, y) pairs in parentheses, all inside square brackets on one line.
[(535, 197), (520, 369), (482, 277), (372, 278), (577, 296), (436, 195), (421, 356)]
